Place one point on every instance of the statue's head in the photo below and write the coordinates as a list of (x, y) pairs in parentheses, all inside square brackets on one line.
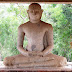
[(34, 12)]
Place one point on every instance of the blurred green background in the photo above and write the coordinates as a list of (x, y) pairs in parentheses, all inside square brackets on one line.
[(14, 14)]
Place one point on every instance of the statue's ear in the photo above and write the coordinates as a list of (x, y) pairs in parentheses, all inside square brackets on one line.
[(28, 14), (27, 11), (41, 10)]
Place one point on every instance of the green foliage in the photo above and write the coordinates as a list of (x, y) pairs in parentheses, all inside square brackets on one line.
[(59, 15)]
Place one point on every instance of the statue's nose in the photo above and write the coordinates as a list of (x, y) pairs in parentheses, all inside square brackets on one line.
[(34, 12)]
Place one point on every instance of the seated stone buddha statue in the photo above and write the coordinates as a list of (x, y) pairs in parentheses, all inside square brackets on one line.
[(40, 43)]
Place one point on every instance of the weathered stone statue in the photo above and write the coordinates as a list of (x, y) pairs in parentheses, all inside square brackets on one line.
[(40, 43)]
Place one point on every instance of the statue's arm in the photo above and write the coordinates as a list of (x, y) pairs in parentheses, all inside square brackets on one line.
[(49, 40), (20, 40)]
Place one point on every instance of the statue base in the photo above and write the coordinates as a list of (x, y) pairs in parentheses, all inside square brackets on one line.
[(68, 67)]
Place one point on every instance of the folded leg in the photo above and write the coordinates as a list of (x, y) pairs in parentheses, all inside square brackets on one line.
[(12, 60), (57, 61)]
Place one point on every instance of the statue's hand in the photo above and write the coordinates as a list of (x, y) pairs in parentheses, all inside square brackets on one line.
[(45, 53), (32, 53), (35, 53), (40, 53), (26, 54)]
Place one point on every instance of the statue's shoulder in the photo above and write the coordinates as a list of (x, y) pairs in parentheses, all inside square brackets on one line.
[(47, 24), (23, 25)]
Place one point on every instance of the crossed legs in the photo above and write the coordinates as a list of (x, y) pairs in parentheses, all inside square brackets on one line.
[(22, 61)]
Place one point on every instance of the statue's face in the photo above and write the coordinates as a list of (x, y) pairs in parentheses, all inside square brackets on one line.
[(35, 12)]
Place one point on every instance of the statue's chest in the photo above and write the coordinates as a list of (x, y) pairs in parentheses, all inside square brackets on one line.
[(35, 31)]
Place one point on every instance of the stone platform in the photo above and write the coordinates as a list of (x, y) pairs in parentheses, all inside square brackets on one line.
[(67, 68)]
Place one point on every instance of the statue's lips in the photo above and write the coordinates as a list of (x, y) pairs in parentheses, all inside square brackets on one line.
[(34, 16)]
